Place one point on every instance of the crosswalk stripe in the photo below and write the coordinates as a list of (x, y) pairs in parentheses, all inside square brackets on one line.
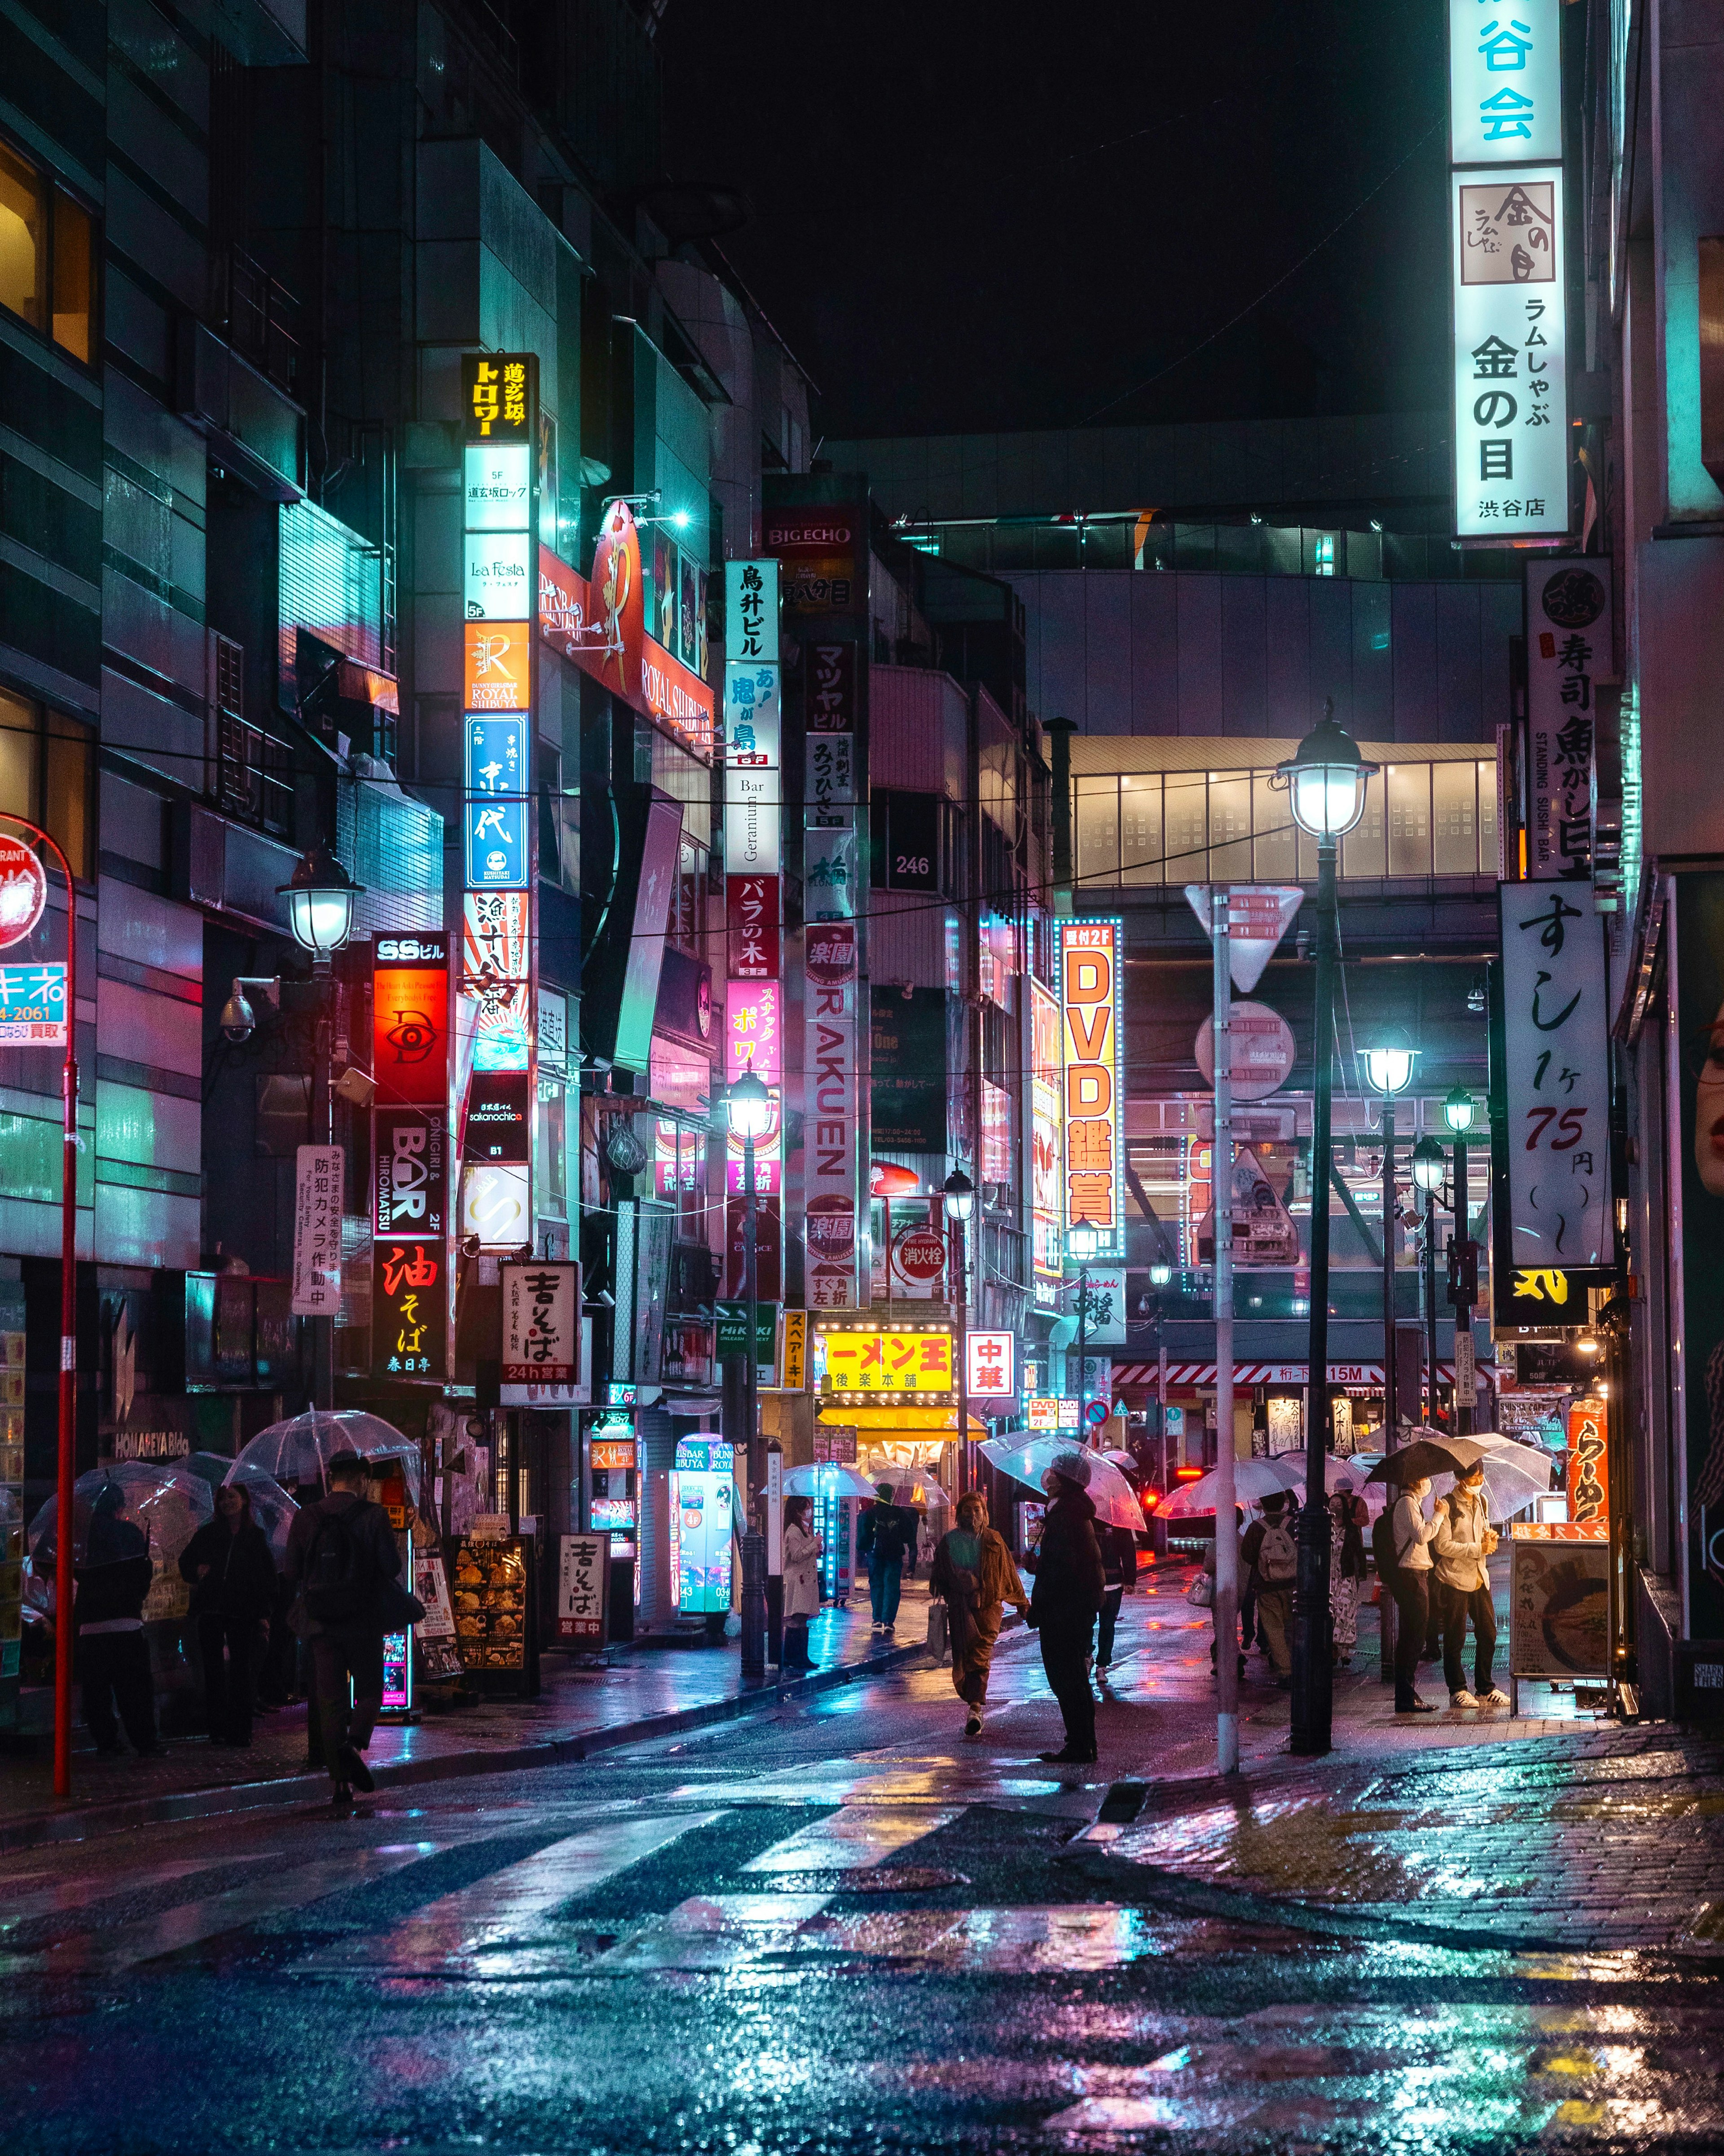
[(498, 1926), (94, 1886), (147, 1938), (849, 1841)]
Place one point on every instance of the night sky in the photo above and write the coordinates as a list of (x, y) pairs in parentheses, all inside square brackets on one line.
[(1005, 216)]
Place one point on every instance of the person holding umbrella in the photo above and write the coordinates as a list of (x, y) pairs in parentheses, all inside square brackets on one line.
[(231, 1573), (1410, 1534), (1067, 1599), (1463, 1542)]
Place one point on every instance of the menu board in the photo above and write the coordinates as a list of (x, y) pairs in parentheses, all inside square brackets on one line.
[(489, 1592), (1559, 1577)]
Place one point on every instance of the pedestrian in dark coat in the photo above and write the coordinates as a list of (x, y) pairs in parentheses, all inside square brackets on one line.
[(1119, 1571), (231, 1571), (1066, 1600), (113, 1654), (340, 1552)]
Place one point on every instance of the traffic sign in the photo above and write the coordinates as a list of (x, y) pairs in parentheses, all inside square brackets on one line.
[(1262, 1051), (23, 891), (1096, 1412), (1258, 916)]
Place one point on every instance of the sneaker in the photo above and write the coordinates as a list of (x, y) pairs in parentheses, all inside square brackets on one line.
[(341, 1797), (890, 1630), (1462, 1699), (973, 1727), (1494, 1698)]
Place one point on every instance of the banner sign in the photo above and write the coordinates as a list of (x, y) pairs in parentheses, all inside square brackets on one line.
[(33, 1006), (1569, 643), (833, 1112), (1089, 977), (752, 916), (409, 1240), (1505, 82), (751, 612), (649, 677), (542, 1334), (498, 761), (906, 1365), (318, 1171), (989, 1365), (495, 979), (583, 1577), (1047, 1146), (1556, 1078)]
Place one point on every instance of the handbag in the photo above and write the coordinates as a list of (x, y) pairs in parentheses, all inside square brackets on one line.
[(939, 1631), (398, 1606), (1201, 1593)]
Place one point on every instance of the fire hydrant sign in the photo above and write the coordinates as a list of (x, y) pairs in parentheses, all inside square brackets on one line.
[(317, 1231), (541, 1333), (583, 1581)]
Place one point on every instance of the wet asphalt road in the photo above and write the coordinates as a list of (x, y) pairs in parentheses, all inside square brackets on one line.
[(836, 1928)]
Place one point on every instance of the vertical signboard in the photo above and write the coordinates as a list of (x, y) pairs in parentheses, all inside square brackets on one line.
[(1089, 990), (1696, 1141), (832, 1113), (318, 1175), (1569, 643), (541, 1335), (409, 1202), (1047, 1151), (1510, 451), (1556, 1078), (500, 400)]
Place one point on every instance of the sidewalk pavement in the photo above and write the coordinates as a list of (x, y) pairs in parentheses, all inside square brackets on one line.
[(644, 1690)]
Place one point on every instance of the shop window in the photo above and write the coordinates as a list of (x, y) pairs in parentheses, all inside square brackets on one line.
[(1187, 829), (47, 256), (46, 775), (1098, 831), (1275, 848), (1229, 828), (1140, 830), (1454, 835), (1362, 850)]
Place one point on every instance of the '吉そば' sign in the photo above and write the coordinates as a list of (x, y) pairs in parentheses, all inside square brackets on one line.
[(541, 1332)]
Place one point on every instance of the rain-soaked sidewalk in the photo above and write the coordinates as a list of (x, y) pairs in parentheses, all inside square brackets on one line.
[(641, 1690)]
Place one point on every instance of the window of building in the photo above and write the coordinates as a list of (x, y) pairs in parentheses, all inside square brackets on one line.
[(48, 775), (47, 256), (1322, 554)]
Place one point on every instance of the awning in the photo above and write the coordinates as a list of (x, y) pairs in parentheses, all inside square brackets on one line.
[(1128, 1375)]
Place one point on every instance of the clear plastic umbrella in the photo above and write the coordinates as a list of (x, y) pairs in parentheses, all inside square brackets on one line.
[(159, 1498), (1026, 1458), (1514, 1475), (301, 1449), (271, 1505), (1254, 1480), (826, 1480)]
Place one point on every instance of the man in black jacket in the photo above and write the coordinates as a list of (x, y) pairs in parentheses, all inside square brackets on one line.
[(1066, 1600), (340, 1552), (888, 1533), (113, 1654), (232, 1577)]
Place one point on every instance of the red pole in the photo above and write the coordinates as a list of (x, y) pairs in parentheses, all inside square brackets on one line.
[(63, 1586)]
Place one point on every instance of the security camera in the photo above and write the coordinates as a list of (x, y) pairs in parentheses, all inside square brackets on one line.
[(239, 1021), (470, 1246)]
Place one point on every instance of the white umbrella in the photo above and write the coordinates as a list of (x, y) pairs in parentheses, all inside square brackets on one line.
[(1027, 1458), (827, 1480), (1514, 1474), (301, 1449), (1253, 1480)]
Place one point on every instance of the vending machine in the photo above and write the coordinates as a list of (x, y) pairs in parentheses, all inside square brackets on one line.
[(610, 1469), (837, 1517)]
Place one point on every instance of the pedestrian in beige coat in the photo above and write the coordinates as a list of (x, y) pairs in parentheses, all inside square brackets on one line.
[(801, 1580)]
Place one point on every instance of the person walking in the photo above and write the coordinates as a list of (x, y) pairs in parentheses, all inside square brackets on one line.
[(1409, 1535), (341, 1552), (1067, 1599), (1462, 1545), (888, 1535), (974, 1571), (113, 1654), (801, 1580), (1269, 1551), (1119, 1576), (232, 1577), (1348, 1516)]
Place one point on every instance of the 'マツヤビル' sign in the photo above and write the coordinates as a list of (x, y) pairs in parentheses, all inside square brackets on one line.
[(1088, 992)]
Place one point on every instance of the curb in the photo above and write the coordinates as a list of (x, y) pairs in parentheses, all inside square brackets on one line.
[(39, 1830)]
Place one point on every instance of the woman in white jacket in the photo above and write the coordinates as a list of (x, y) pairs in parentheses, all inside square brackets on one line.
[(801, 1580)]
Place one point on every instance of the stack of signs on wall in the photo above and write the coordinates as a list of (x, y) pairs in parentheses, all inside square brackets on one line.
[(1507, 269), (495, 1080), (1568, 645), (410, 1308), (754, 863)]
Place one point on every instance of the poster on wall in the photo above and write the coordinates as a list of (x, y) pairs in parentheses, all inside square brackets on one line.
[(1696, 966)]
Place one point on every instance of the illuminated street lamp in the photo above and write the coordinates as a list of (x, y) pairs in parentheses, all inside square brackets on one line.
[(319, 896), (959, 1195), (1082, 1241), (748, 1114), (1325, 780), (1161, 1278), (1430, 1164), (1457, 1110)]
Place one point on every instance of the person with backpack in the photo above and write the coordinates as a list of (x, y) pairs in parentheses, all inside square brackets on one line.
[(887, 1533), (342, 1554), (1066, 1599), (1463, 1545), (1119, 1573), (1273, 1558), (1399, 1543)]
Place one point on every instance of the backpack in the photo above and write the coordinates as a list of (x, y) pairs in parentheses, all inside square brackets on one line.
[(1382, 1547), (338, 1571), (1277, 1556)]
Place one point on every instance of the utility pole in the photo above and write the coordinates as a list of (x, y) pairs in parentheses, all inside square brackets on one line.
[(1227, 1547)]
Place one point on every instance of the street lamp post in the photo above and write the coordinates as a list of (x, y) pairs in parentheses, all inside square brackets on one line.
[(748, 1109), (1326, 780), (1081, 1240), (319, 896), (1428, 1166), (1388, 1065), (960, 1194), (1161, 1273), (1458, 1114)]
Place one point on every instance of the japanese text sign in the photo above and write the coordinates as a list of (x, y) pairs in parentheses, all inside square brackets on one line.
[(1510, 353), (410, 1023), (1568, 645), (1504, 82), (317, 1231), (33, 1006), (500, 394), (752, 920), (496, 805), (496, 486), (751, 613), (1089, 987), (584, 1579), (889, 1363), (754, 1038), (541, 1326), (989, 1358), (1556, 1072)]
